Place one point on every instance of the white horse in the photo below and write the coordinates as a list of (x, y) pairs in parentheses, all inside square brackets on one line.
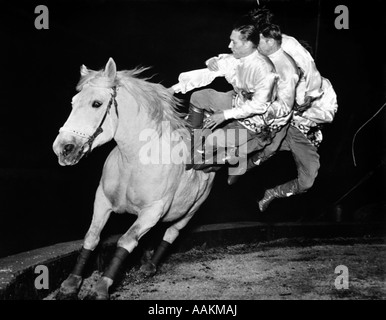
[(142, 174)]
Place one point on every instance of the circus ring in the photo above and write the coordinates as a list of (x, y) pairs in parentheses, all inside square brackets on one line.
[(244, 260)]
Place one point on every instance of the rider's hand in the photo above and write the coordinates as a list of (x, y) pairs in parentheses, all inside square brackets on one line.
[(214, 120), (212, 64), (306, 105)]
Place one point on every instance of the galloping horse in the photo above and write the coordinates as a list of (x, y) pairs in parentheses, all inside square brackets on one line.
[(133, 112)]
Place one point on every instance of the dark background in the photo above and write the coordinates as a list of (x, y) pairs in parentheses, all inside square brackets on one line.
[(42, 203)]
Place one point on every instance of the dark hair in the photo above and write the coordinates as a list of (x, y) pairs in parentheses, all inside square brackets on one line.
[(261, 16), (247, 28), (271, 31)]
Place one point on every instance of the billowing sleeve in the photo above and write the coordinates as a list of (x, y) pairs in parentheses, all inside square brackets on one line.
[(194, 79), (263, 93), (323, 110), (311, 82), (190, 80)]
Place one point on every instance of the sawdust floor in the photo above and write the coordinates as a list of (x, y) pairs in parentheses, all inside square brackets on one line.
[(276, 270)]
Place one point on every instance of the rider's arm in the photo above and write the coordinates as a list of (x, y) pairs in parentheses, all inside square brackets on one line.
[(263, 92)]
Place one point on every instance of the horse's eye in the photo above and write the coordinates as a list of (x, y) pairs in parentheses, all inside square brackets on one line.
[(96, 104)]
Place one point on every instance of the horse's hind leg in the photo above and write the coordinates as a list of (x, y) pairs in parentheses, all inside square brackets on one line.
[(150, 267), (102, 209), (147, 218)]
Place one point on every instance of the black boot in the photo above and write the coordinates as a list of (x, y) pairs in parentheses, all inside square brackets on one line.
[(195, 120), (195, 117), (237, 172), (285, 190), (235, 176)]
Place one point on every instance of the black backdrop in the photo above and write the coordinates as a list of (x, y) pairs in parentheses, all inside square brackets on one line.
[(42, 203)]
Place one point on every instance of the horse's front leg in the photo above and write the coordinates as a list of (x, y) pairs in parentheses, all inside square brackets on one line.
[(102, 208), (147, 218)]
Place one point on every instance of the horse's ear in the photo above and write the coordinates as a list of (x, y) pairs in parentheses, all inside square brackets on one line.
[(111, 69), (83, 70)]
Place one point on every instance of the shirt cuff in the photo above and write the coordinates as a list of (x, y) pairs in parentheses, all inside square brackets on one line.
[(177, 88), (228, 114)]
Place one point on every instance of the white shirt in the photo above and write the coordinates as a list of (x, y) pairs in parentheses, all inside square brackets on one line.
[(280, 111), (321, 111), (254, 74), (311, 82)]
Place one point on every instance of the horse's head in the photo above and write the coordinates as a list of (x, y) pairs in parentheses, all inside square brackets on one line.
[(92, 121)]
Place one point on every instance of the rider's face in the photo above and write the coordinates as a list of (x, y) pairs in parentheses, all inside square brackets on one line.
[(265, 45), (240, 48)]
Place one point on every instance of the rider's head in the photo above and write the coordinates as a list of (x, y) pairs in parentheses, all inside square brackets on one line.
[(270, 39), (244, 37)]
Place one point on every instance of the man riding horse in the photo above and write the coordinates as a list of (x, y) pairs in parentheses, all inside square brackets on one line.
[(248, 109)]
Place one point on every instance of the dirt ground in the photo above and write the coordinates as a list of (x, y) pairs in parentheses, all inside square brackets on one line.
[(270, 271)]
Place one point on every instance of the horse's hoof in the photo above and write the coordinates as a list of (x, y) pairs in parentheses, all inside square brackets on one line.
[(148, 269), (146, 257), (66, 296), (69, 288), (99, 292), (96, 296)]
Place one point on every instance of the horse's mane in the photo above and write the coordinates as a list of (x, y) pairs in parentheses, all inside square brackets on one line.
[(159, 103)]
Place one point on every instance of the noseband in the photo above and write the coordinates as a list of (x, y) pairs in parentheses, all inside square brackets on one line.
[(98, 130)]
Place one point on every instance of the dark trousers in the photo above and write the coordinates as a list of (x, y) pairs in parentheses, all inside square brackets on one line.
[(303, 151), (231, 134)]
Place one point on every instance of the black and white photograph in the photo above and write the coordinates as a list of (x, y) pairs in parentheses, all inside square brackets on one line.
[(209, 152)]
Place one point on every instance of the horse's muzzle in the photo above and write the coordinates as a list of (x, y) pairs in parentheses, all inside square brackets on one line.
[(69, 150)]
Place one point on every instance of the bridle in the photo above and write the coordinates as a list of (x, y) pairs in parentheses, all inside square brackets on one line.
[(99, 130)]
